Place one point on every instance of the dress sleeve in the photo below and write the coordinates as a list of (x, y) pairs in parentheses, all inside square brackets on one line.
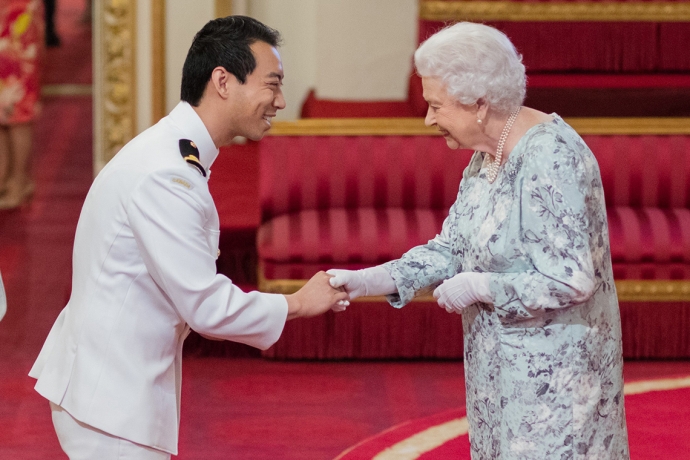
[(555, 195), (167, 213), (423, 267)]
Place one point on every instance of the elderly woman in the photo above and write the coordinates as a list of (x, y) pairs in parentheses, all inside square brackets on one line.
[(523, 256)]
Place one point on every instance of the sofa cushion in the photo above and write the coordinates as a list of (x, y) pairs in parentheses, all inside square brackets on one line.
[(646, 243), (643, 171), (325, 172), (363, 235), (647, 271), (649, 235), (299, 173), (313, 107)]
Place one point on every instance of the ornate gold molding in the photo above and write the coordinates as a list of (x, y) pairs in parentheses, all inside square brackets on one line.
[(114, 77), (636, 11), (158, 83), (352, 127), (415, 126), (631, 126), (628, 290), (653, 291), (280, 286)]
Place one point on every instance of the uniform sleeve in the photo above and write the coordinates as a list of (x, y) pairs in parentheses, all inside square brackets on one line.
[(422, 268), (167, 216), (554, 231)]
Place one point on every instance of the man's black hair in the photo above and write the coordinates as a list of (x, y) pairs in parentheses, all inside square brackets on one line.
[(223, 42)]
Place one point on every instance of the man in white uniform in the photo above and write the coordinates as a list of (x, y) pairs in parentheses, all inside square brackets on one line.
[(144, 260)]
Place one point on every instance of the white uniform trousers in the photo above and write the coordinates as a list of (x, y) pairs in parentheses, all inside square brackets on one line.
[(84, 442)]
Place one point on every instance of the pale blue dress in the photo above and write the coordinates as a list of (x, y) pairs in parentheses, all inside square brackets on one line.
[(543, 364)]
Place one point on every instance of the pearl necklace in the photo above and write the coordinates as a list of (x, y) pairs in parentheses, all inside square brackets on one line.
[(492, 170)]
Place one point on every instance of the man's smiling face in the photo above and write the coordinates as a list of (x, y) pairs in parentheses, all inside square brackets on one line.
[(256, 102)]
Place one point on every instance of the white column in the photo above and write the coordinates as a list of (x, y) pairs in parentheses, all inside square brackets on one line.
[(345, 49), (183, 20), (143, 68), (297, 22), (364, 48)]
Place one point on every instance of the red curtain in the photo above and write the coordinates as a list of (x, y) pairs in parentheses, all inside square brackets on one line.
[(604, 47), (369, 330)]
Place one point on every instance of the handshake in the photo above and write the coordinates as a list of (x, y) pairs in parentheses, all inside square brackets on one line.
[(334, 289)]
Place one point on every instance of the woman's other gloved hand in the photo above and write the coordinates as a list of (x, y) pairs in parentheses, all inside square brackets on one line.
[(464, 289)]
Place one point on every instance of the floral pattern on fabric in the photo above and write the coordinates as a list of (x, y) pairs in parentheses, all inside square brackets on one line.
[(543, 363), (21, 41)]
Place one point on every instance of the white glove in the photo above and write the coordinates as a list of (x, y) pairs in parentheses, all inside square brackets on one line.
[(358, 283), (462, 290)]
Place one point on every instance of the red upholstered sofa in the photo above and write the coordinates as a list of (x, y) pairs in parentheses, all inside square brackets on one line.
[(332, 199)]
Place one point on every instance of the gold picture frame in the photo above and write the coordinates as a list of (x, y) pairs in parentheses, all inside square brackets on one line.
[(114, 77), (416, 127), (557, 11)]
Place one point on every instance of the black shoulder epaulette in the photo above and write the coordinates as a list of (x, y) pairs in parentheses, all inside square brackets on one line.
[(190, 154)]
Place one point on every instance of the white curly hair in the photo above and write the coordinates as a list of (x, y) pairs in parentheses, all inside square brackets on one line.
[(474, 61)]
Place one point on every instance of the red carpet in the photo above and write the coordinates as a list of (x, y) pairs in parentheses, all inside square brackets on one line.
[(392, 441), (256, 409), (69, 63), (657, 426)]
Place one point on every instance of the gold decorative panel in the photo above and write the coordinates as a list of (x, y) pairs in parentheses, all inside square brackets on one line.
[(114, 77), (635, 11), (158, 83), (628, 290), (415, 126)]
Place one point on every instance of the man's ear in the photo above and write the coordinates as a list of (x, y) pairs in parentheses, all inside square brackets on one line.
[(222, 82)]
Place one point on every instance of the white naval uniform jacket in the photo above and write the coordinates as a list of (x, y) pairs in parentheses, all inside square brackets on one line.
[(143, 273)]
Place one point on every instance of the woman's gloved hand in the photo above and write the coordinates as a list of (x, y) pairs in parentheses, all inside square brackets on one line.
[(362, 283), (464, 289)]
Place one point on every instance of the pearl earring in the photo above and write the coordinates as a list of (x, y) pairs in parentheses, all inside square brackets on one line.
[(479, 121)]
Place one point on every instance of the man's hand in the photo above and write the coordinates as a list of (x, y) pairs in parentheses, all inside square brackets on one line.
[(462, 290), (314, 298), (371, 281)]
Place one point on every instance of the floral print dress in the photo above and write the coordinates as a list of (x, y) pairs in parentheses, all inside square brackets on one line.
[(21, 44), (543, 363)]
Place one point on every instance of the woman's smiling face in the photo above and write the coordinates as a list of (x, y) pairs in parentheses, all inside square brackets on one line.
[(456, 122)]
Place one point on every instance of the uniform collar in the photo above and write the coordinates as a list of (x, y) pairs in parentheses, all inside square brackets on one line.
[(192, 128)]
